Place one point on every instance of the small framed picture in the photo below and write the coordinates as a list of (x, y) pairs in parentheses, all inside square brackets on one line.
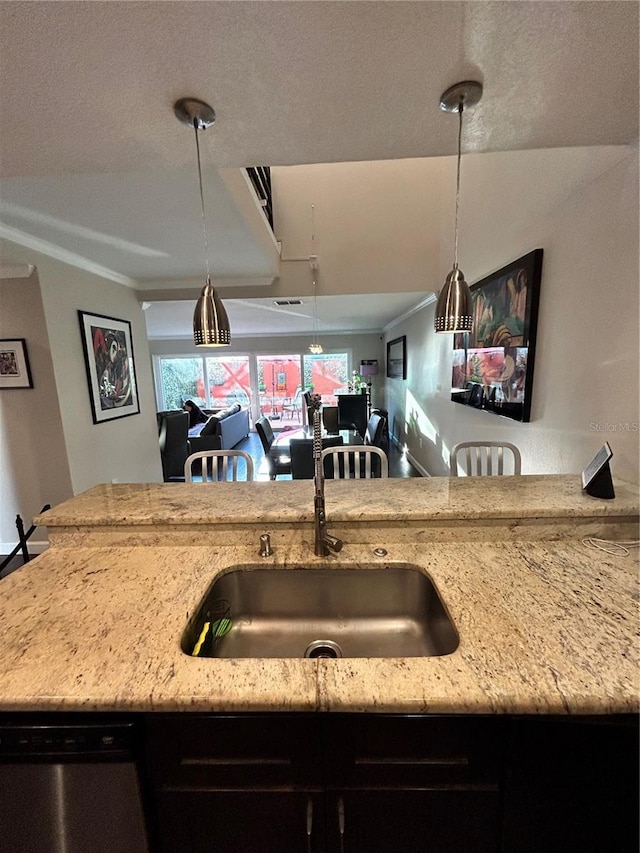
[(397, 358), (111, 373), (14, 364)]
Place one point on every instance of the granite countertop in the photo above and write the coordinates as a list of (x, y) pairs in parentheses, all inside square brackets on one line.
[(424, 499), (544, 628)]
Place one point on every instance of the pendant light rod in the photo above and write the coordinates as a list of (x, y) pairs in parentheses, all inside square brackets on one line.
[(455, 246), (315, 347), (204, 218)]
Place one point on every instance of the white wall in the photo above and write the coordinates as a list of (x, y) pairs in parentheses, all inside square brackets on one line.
[(376, 224), (34, 468), (124, 449), (586, 367)]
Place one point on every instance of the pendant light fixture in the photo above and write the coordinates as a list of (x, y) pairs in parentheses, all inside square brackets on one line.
[(315, 347), (454, 307), (210, 321)]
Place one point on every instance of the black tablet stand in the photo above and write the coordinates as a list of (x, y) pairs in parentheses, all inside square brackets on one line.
[(601, 485)]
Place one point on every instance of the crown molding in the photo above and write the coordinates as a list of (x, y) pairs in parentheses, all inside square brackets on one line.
[(15, 270), (428, 300), (14, 235)]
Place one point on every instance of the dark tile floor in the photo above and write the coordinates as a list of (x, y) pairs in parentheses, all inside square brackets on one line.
[(399, 465)]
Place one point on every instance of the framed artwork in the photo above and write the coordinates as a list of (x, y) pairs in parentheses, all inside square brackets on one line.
[(493, 363), (14, 364), (397, 358), (108, 356)]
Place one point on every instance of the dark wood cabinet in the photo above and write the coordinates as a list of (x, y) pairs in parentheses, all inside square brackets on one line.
[(324, 783), (572, 784), (443, 819), (370, 783), (236, 784), (240, 821), (412, 783)]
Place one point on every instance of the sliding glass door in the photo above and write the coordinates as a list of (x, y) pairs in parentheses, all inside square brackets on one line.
[(280, 389), (229, 380)]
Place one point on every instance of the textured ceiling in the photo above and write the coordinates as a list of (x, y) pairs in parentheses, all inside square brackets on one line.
[(94, 161), (88, 87), (263, 317)]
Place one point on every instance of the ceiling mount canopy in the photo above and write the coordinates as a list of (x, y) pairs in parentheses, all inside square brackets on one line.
[(210, 320), (454, 307), (194, 113), (466, 94)]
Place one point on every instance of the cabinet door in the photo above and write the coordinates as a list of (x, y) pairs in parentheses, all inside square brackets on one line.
[(572, 785), (240, 822), (251, 752), (380, 751), (431, 821), (408, 784)]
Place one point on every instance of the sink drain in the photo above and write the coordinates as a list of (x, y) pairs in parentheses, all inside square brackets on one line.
[(323, 649)]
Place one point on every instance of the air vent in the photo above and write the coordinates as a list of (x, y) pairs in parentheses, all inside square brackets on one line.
[(287, 302)]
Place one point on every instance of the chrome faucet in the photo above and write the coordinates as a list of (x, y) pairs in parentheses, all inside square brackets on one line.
[(324, 541)]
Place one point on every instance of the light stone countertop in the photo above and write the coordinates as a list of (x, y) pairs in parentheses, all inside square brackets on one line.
[(544, 628), (393, 499)]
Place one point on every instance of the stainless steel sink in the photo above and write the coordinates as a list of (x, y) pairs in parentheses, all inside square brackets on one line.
[(368, 611)]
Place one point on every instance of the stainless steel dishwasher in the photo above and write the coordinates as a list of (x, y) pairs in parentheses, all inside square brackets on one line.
[(69, 788)]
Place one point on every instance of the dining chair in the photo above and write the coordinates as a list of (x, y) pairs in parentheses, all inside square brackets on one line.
[(353, 412), (356, 461), (301, 451), (291, 406), (174, 444), (483, 458), (375, 430), (278, 459), (225, 467), (383, 442), (330, 418)]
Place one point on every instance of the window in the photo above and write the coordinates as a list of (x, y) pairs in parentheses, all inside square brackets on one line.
[(180, 378), (327, 374), (270, 385), (213, 381), (228, 381)]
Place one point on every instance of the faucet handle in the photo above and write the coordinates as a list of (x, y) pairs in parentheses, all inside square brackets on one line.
[(333, 542), (265, 545)]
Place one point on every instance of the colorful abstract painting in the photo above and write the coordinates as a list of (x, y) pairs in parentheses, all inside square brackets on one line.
[(493, 364)]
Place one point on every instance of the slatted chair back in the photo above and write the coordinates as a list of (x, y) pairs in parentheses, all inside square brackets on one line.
[(484, 459), (217, 466), (356, 461)]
